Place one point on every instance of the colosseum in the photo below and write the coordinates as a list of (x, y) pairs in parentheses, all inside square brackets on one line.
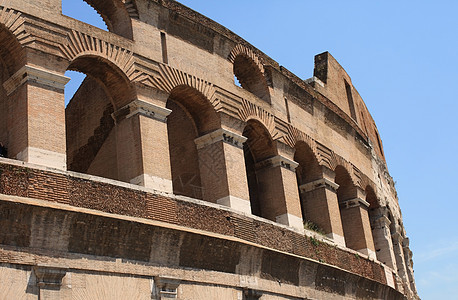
[(188, 165)]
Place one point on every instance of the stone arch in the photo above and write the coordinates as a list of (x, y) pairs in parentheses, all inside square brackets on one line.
[(91, 138), (350, 206), (347, 189), (295, 136), (82, 45), (110, 75), (116, 14), (12, 39), (192, 117), (258, 147), (12, 59), (308, 171), (197, 94), (249, 111), (309, 168), (249, 71)]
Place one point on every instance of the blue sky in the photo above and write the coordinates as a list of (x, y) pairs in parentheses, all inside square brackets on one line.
[(402, 57)]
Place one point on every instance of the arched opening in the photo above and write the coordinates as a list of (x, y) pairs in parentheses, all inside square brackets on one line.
[(3, 112), (377, 226), (91, 140), (258, 147), (13, 107), (250, 77), (82, 11), (112, 15), (351, 225), (192, 116), (308, 171)]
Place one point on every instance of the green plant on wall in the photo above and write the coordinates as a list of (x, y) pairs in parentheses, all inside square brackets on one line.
[(313, 227)]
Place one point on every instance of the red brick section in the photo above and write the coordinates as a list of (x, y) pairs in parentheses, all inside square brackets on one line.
[(66, 189)]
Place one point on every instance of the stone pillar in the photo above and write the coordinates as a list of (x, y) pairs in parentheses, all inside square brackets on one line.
[(409, 264), (356, 225), (399, 254), (279, 193), (36, 122), (382, 239), (222, 169), (322, 207), (142, 145)]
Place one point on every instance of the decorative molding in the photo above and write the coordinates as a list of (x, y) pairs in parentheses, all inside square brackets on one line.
[(356, 176), (14, 22), (221, 134), (34, 74), (79, 44), (294, 136), (354, 203), (326, 157), (243, 50), (171, 78), (166, 288), (278, 161), (317, 184), (249, 111), (140, 107), (48, 277)]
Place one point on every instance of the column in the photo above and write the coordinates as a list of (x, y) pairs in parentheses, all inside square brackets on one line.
[(356, 224), (409, 264), (36, 121), (322, 207), (222, 169), (142, 145), (382, 239), (279, 193), (399, 254)]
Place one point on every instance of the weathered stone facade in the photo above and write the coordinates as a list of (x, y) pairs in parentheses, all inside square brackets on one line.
[(162, 178)]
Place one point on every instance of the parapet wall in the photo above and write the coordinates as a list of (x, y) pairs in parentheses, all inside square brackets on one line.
[(63, 230)]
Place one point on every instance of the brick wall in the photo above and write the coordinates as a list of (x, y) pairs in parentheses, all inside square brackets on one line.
[(66, 189)]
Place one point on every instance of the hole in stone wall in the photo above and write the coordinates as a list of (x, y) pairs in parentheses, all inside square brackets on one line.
[(83, 12)]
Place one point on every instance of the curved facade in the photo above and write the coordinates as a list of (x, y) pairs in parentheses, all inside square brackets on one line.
[(188, 165)]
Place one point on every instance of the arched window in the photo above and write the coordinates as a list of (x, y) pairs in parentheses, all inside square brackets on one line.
[(81, 10), (90, 134), (354, 214), (308, 171), (113, 15), (3, 112), (258, 147), (12, 132), (250, 77), (192, 116)]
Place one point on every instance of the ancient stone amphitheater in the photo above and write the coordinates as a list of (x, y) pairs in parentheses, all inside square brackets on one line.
[(165, 178)]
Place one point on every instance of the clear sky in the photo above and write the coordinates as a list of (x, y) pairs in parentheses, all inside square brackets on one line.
[(402, 57)]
